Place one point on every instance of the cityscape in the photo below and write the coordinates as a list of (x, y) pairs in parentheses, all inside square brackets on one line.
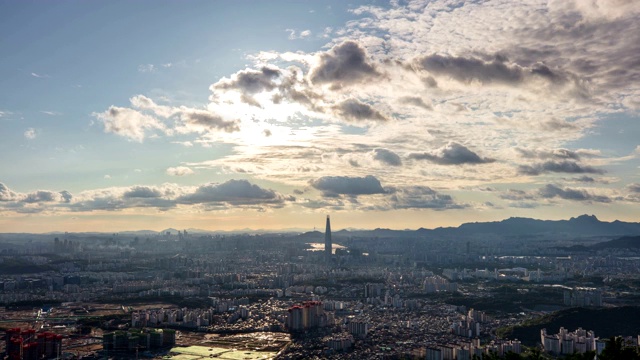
[(377, 294), (303, 179)]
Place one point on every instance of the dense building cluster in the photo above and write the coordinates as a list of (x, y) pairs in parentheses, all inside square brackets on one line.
[(31, 345)]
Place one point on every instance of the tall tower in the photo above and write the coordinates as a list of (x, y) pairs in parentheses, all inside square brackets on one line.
[(327, 239)]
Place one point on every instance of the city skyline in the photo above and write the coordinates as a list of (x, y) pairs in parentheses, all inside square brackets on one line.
[(223, 115)]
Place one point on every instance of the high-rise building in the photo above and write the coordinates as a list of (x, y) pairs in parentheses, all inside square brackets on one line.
[(327, 239)]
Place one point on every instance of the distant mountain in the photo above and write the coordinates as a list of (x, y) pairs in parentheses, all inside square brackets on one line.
[(581, 226), (584, 225)]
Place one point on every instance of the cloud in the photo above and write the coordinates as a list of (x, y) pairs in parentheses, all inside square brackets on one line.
[(147, 68), (415, 101), (387, 157), (452, 154), (250, 81), (41, 196), (39, 75), (354, 110), (553, 166), (552, 191), (305, 34), (142, 192), (128, 123), (7, 194), (179, 171), (634, 187), (344, 64), (202, 120), (66, 196), (30, 133), (345, 185), (145, 103), (556, 154), (471, 69), (419, 197), (233, 192), (517, 195), (294, 36)]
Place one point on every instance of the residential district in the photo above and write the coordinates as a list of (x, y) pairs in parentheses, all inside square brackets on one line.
[(318, 295)]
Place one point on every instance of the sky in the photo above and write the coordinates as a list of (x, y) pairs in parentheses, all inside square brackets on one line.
[(222, 115)]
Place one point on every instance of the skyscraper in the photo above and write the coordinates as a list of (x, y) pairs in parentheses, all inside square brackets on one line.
[(327, 239)]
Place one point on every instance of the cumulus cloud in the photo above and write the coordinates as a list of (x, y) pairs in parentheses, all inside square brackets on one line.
[(230, 194), (203, 120), (249, 82), (346, 63), (387, 157), (233, 192), (451, 154), (552, 166), (128, 122), (179, 171), (142, 192), (145, 103), (7, 194), (345, 185), (552, 191), (354, 110), (419, 197)]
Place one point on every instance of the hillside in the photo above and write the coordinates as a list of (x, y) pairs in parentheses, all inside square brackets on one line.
[(604, 322)]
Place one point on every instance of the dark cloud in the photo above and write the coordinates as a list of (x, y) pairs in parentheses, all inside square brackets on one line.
[(589, 52), (99, 202), (142, 192), (585, 179), (344, 64), (420, 197), (516, 195), (250, 81), (355, 110), (387, 156), (207, 120), (565, 166), (233, 192), (552, 191), (548, 154), (416, 101), (41, 196), (471, 69), (635, 187), (66, 196), (452, 154), (488, 69), (344, 185)]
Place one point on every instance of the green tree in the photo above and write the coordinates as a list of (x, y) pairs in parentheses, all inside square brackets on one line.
[(617, 350)]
